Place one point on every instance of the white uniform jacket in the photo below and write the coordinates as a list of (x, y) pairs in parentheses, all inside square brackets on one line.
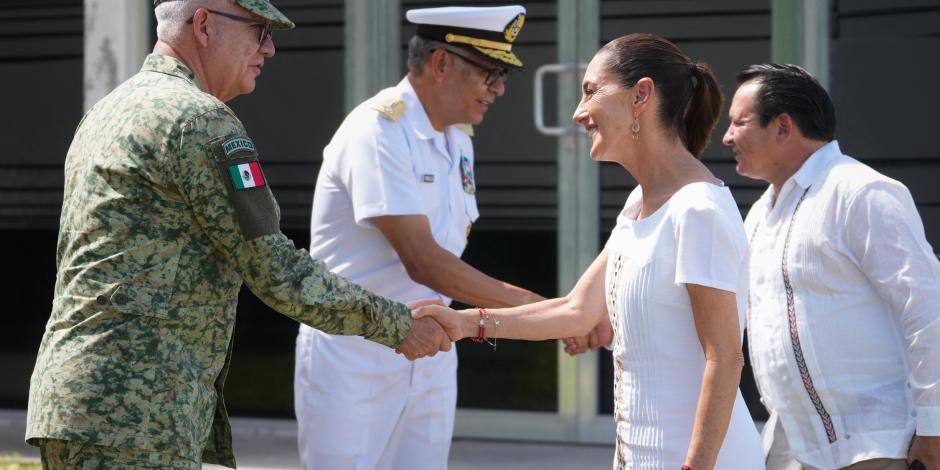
[(382, 163)]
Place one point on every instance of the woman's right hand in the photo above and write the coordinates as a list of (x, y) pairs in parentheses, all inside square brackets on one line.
[(450, 320)]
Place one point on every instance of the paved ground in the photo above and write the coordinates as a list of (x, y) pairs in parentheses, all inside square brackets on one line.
[(272, 444)]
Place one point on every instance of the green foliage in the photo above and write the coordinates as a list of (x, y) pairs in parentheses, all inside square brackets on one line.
[(14, 462)]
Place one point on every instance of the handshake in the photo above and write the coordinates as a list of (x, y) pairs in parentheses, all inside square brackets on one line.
[(434, 328)]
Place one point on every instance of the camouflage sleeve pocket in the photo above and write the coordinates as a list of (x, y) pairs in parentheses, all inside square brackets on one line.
[(251, 198)]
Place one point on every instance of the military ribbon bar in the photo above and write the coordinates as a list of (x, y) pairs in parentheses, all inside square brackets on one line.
[(246, 175)]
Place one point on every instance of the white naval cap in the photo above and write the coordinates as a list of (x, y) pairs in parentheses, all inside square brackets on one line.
[(488, 32)]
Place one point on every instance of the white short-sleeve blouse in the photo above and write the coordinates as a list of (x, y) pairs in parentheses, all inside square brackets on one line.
[(696, 237)]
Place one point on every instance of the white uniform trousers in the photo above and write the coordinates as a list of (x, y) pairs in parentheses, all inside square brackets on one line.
[(360, 406)]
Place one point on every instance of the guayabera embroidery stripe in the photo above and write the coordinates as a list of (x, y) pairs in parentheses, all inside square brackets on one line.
[(795, 336)]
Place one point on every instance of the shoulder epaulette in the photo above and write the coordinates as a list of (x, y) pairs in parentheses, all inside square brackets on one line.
[(466, 128), (392, 108)]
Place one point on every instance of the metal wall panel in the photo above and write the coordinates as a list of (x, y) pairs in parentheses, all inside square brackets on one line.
[(41, 65), (298, 102), (883, 83)]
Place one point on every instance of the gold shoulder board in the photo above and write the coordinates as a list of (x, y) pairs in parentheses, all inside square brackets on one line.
[(392, 108)]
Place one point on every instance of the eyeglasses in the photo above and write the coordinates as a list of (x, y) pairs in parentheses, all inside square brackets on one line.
[(266, 28), (492, 73)]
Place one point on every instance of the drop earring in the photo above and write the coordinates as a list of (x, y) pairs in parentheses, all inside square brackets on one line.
[(635, 128)]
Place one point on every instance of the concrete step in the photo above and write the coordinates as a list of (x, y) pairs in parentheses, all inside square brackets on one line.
[(272, 444)]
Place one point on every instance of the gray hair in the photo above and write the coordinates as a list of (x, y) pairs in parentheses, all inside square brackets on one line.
[(173, 15), (419, 50)]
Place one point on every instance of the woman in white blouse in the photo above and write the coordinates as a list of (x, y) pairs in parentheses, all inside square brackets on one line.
[(671, 277)]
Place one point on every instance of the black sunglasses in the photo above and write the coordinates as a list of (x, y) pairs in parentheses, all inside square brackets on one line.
[(266, 28), (492, 73)]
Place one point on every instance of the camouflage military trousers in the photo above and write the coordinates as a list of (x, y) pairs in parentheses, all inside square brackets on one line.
[(67, 455)]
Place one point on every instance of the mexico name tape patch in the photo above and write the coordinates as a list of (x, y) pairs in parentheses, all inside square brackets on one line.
[(246, 175), (236, 144)]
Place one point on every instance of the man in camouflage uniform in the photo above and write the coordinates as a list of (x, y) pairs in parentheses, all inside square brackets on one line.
[(165, 213)]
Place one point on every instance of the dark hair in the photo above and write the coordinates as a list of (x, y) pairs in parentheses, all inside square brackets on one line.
[(790, 89), (688, 91)]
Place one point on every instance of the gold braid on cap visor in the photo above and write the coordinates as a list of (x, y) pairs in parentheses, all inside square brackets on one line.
[(503, 56), (477, 42)]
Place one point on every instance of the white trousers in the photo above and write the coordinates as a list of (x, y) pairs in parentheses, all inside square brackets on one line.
[(360, 406)]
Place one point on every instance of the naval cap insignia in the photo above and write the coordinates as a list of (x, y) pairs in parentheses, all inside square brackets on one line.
[(513, 28)]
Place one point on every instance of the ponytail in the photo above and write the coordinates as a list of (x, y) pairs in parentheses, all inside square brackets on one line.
[(704, 109), (690, 98)]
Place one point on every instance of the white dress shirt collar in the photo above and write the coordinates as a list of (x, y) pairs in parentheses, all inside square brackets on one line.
[(815, 166), (811, 171)]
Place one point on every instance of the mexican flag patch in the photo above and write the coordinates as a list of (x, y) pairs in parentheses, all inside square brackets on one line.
[(246, 175)]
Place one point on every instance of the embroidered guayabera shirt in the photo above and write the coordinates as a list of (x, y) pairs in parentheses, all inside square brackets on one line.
[(844, 313), (166, 212)]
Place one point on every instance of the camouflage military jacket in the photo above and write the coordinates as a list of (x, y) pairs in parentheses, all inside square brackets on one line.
[(165, 213)]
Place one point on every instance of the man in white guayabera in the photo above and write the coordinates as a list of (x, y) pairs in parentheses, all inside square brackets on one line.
[(844, 305)]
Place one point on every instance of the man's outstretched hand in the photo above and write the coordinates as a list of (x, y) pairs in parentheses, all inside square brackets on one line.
[(448, 318), (426, 338)]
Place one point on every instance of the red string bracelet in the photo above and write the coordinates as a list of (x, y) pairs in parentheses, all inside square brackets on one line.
[(686, 467), (481, 332)]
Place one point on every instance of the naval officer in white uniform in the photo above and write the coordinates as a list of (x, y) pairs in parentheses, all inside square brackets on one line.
[(393, 206)]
